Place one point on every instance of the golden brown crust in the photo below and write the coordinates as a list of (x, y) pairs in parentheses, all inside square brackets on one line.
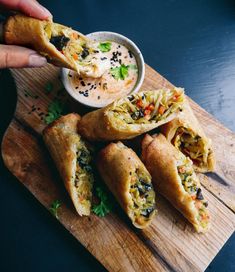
[(28, 31), (160, 158), (100, 125), (61, 139), (115, 163), (187, 119)]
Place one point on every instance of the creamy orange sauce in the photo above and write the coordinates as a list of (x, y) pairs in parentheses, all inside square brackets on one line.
[(107, 88)]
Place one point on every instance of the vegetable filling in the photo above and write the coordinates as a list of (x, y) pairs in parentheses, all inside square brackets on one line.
[(148, 107), (191, 186), (191, 145), (84, 177), (143, 195)]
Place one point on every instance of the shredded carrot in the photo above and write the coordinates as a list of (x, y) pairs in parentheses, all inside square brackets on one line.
[(139, 103), (147, 112), (181, 169), (161, 109), (75, 35), (75, 56)]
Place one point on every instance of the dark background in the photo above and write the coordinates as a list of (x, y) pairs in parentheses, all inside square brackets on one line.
[(192, 43)]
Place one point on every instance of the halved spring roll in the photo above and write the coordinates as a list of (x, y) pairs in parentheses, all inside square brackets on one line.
[(73, 159), (60, 44), (186, 134), (174, 177), (133, 115), (129, 181)]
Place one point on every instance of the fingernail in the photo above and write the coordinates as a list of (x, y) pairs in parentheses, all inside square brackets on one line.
[(36, 61), (47, 12)]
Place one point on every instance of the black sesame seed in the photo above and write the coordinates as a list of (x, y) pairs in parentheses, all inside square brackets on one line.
[(70, 75), (83, 83), (98, 97), (89, 84), (76, 87)]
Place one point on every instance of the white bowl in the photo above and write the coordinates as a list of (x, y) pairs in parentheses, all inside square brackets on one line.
[(115, 37)]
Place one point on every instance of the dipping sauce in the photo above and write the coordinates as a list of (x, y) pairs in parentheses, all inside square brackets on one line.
[(118, 80)]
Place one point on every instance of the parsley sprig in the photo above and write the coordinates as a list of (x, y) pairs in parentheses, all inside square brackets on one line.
[(104, 206), (48, 87), (55, 110), (119, 72), (105, 46), (54, 208)]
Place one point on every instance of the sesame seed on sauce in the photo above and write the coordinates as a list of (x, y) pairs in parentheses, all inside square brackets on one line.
[(83, 83), (89, 84), (104, 58), (70, 75), (130, 54), (76, 87), (98, 97)]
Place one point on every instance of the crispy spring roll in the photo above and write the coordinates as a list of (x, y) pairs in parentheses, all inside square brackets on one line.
[(60, 44), (73, 160), (186, 134), (129, 181), (133, 115), (174, 177)]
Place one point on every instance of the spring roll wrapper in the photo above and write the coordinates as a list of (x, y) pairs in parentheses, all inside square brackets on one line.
[(115, 162), (160, 157), (187, 119), (61, 139), (99, 125), (30, 32)]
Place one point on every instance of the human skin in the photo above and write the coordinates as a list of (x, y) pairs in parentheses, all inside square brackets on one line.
[(12, 56)]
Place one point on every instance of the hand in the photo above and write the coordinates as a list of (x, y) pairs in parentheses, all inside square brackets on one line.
[(12, 56)]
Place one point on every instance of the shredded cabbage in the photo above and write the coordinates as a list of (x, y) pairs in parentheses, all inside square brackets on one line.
[(142, 193), (191, 145), (84, 179), (144, 107), (191, 185)]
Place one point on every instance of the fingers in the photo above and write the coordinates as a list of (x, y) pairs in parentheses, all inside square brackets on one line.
[(29, 7), (12, 56)]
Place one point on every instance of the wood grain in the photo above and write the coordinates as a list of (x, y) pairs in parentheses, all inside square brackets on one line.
[(169, 244)]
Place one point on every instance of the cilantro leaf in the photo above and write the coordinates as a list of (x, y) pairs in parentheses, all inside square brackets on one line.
[(54, 208), (48, 87), (119, 72), (55, 110), (105, 46), (104, 206), (133, 67)]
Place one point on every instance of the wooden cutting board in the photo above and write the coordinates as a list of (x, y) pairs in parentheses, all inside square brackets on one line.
[(169, 244)]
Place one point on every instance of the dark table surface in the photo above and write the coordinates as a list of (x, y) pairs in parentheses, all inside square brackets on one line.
[(191, 43)]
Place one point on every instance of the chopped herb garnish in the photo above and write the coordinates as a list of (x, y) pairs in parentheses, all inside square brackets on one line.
[(54, 208), (55, 110), (133, 67), (48, 87), (28, 93), (105, 46), (104, 206), (120, 72)]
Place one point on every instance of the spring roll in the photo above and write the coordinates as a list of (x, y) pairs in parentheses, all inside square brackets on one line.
[(133, 115), (72, 157), (186, 134), (60, 44), (129, 181), (174, 177)]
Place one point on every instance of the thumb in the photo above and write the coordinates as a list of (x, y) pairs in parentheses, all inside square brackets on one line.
[(12, 56)]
